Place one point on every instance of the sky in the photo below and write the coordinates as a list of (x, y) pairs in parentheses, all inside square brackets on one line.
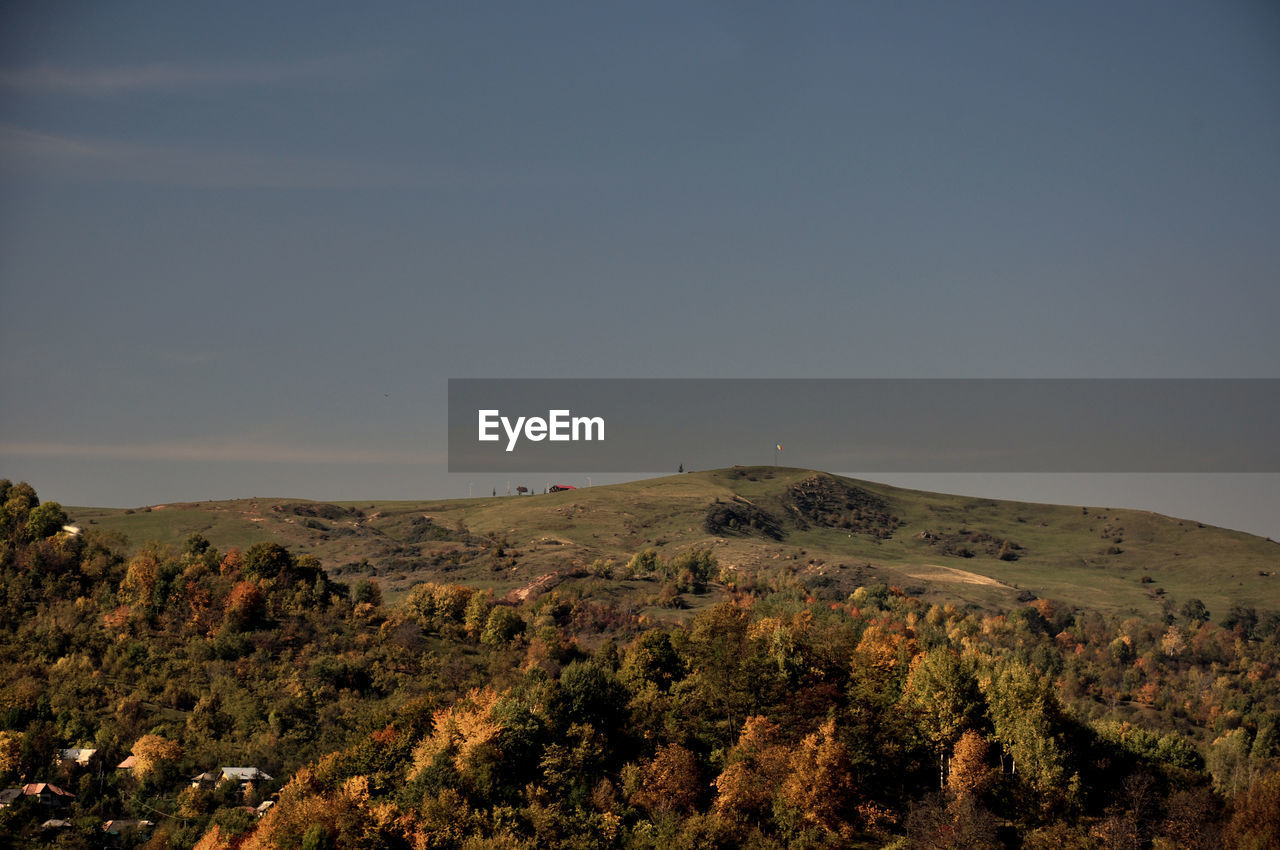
[(243, 246)]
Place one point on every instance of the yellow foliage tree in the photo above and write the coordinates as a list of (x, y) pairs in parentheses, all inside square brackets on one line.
[(820, 785), (151, 751), (969, 772), (10, 753), (465, 730), (670, 781), (756, 768)]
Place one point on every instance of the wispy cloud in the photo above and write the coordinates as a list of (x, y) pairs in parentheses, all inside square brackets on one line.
[(164, 76), (224, 452), (27, 153)]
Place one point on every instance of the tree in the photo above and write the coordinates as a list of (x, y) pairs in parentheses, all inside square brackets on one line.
[(590, 695), (669, 782), (942, 688), (1242, 618), (1256, 822), (643, 563), (196, 544), (755, 769), (1229, 763), (267, 560), (652, 658), (1029, 725), (692, 569), (970, 774), (680, 468), (503, 626), (153, 753), (1194, 610), (317, 838), (820, 784), (245, 606), (10, 755), (476, 615), (45, 521), (366, 590)]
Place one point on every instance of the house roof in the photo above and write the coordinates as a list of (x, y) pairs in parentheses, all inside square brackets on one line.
[(114, 826), (55, 823), (80, 755), (245, 774), (207, 776), (8, 795), (33, 789), (128, 764)]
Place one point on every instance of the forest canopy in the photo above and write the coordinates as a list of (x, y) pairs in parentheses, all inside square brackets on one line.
[(784, 716)]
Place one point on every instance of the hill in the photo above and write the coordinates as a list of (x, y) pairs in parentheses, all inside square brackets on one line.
[(571, 712), (828, 531)]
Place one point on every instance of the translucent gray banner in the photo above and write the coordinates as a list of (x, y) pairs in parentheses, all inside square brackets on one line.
[(867, 425)]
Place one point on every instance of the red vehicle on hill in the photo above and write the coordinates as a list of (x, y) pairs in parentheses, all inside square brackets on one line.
[(556, 488)]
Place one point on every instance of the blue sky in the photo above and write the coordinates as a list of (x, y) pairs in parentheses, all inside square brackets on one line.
[(243, 247)]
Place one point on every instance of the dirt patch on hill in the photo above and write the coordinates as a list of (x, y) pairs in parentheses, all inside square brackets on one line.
[(937, 572), (541, 584)]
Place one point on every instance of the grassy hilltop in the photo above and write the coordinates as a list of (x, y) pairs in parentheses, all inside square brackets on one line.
[(827, 530)]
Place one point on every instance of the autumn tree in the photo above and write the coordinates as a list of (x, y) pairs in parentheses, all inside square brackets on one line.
[(1256, 822), (755, 769), (153, 753), (969, 773), (10, 755), (819, 786), (670, 781)]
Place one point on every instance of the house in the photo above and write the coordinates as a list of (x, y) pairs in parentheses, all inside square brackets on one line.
[(76, 755), (9, 796), (54, 823), (49, 795), (264, 807), (128, 764), (209, 777), (245, 775), (115, 827)]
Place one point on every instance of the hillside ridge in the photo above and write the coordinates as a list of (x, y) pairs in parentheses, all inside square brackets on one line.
[(827, 530)]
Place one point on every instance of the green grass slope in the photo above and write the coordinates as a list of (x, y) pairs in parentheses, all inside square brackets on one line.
[(826, 530)]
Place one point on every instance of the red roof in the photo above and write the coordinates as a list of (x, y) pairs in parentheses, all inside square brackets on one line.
[(128, 764), (36, 788)]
